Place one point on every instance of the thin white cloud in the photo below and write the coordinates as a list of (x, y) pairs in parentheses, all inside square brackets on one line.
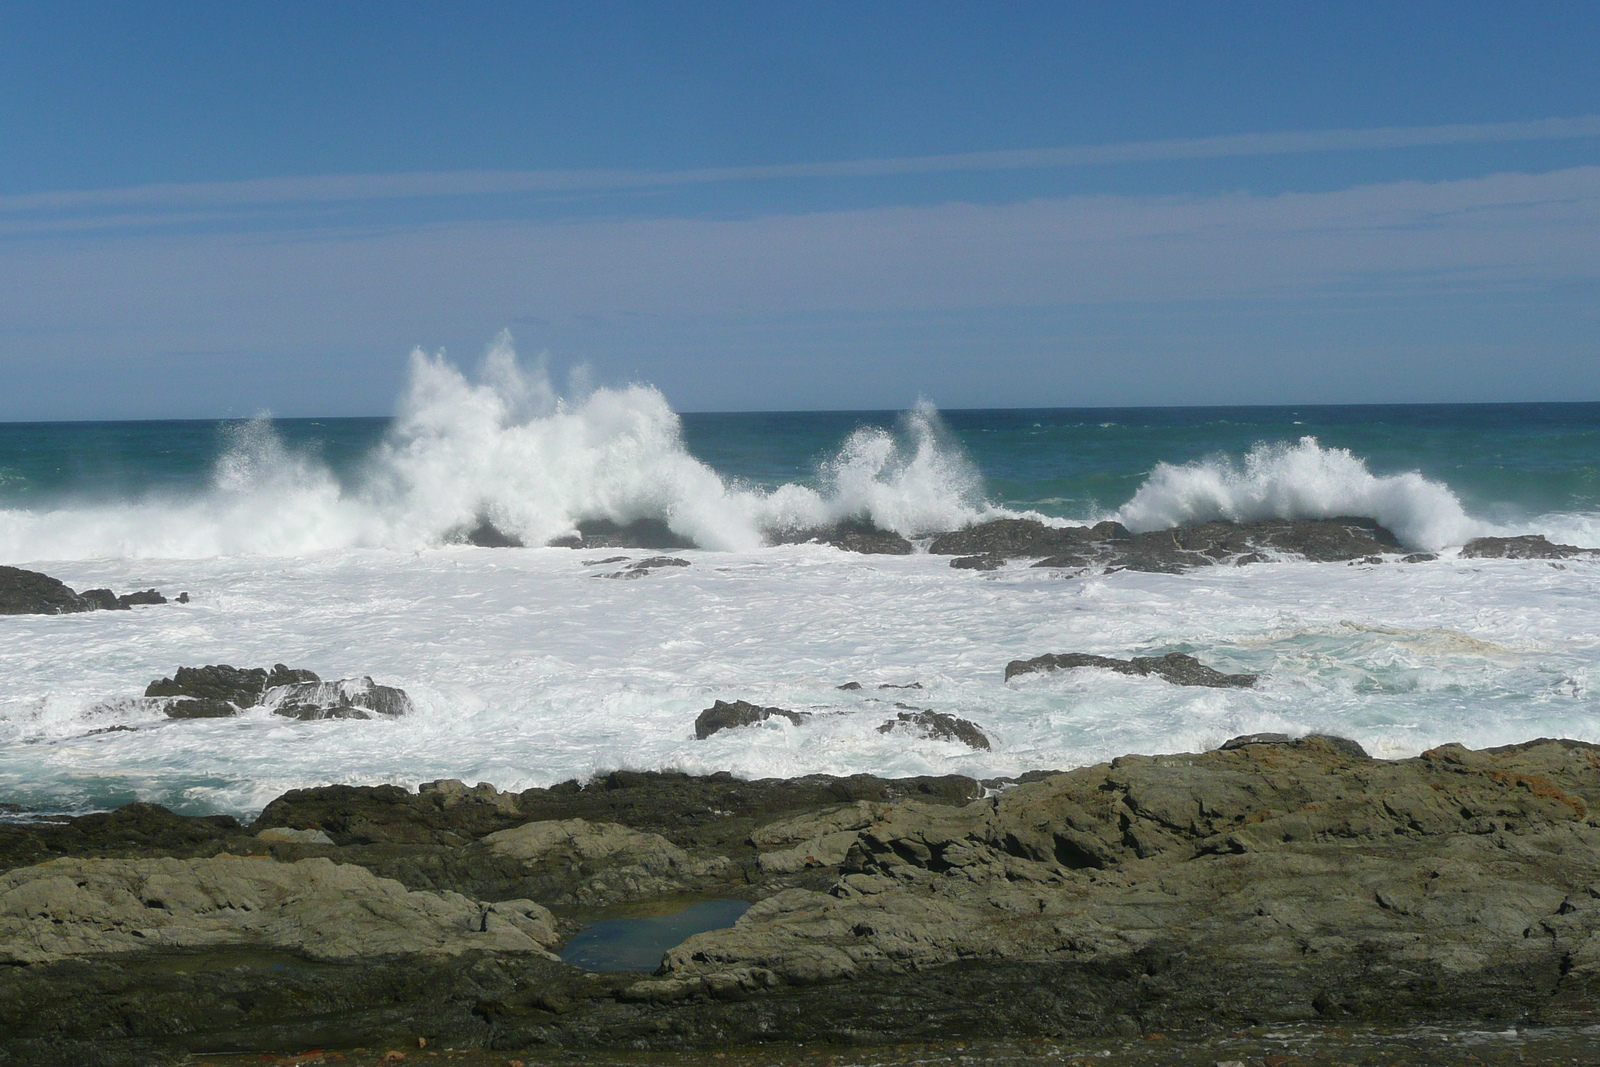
[(345, 188)]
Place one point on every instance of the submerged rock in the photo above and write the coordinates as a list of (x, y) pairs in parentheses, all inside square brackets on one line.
[(641, 533), (726, 715), (24, 592), (348, 698), (644, 567), (936, 724), (1527, 546), (1175, 667)]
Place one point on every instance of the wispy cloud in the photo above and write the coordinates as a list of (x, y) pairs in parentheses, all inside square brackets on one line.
[(78, 209)]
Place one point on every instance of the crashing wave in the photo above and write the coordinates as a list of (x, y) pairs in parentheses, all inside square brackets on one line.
[(1300, 481)]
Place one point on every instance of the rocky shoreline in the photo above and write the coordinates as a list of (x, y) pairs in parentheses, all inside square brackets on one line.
[(1271, 882)]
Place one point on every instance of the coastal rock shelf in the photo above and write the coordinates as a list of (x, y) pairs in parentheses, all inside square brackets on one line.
[(1274, 880)]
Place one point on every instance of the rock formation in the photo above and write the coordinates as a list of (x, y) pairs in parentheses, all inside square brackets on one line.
[(24, 592), (1272, 881), (1175, 667), (220, 690)]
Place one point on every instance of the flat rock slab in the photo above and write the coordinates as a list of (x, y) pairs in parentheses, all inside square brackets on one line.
[(88, 907)]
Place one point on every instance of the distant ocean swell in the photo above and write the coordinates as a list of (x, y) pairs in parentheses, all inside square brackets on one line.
[(503, 447)]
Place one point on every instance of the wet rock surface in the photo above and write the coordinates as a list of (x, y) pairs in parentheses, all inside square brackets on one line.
[(24, 592), (641, 533), (936, 724), (1175, 667), (1273, 883), (220, 690), (730, 714), (852, 535), (1110, 546)]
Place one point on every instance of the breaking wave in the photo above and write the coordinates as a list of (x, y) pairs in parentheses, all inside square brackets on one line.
[(505, 448), (1300, 481)]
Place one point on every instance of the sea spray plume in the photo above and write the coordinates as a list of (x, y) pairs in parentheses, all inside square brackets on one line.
[(1299, 481), (507, 449), (917, 482)]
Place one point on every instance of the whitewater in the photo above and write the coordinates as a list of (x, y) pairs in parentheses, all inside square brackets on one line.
[(527, 667)]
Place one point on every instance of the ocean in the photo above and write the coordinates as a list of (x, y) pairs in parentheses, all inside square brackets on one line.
[(335, 545)]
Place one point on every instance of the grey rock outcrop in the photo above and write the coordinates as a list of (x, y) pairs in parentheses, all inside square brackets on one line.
[(643, 567), (1175, 667), (728, 714)]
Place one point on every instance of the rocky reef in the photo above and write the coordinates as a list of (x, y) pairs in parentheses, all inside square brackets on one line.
[(1274, 881), (24, 592)]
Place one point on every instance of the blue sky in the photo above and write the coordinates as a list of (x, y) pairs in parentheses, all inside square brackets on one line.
[(209, 209)]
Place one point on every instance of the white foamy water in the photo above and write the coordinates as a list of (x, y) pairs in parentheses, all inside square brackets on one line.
[(526, 669)]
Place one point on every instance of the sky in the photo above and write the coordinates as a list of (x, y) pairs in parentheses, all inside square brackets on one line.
[(214, 209)]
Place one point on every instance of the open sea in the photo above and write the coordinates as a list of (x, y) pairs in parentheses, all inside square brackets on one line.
[(333, 544)]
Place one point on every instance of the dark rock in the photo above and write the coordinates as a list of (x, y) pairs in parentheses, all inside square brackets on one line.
[(221, 690), (978, 563), (849, 685), (1420, 557), (240, 687), (905, 685), (31, 593), (1528, 546), (1062, 561), (487, 535), (1111, 546), (1175, 667), (25, 592), (603, 562), (938, 725), (103, 600), (851, 535), (725, 715), (199, 708), (641, 533), (183, 598), (1013, 538)]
